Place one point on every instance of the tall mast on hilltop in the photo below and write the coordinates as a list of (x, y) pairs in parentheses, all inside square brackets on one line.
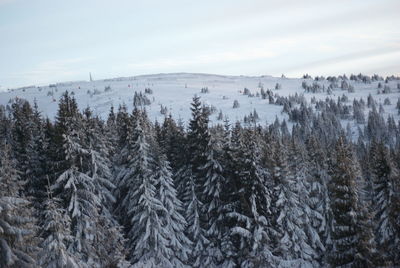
[(90, 77)]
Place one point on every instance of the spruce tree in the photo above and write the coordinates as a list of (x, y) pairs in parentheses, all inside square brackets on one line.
[(346, 234), (194, 231), (154, 228), (74, 184), (108, 237), (57, 237), (385, 177), (318, 195), (173, 220), (18, 242), (252, 227), (213, 203)]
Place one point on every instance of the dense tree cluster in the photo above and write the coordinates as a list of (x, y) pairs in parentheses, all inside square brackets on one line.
[(126, 192)]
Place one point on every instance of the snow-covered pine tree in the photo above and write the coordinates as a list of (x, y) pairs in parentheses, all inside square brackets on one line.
[(172, 143), (5, 126), (108, 237), (385, 176), (308, 246), (73, 184), (18, 242), (172, 219), (77, 191), (99, 165), (229, 195), (292, 244), (198, 138), (213, 202), (22, 114), (57, 236), (318, 194), (190, 180), (348, 248), (151, 229), (252, 227), (195, 232), (122, 125), (111, 134), (28, 149), (36, 151)]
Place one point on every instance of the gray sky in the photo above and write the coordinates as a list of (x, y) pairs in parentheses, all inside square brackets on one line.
[(45, 41)]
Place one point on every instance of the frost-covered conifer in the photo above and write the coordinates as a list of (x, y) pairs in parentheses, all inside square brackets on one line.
[(348, 246), (213, 188), (385, 177), (17, 230), (57, 237)]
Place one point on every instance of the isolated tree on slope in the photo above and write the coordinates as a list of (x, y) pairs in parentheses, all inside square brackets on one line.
[(17, 230)]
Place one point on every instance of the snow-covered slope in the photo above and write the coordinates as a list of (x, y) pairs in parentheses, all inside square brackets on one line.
[(175, 91)]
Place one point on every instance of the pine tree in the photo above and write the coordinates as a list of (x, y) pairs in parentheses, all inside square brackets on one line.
[(153, 231), (18, 243), (74, 184), (22, 135), (108, 237), (76, 189), (148, 240), (347, 238), (385, 176), (172, 143), (213, 203), (194, 230), (228, 195), (191, 181), (111, 133), (173, 220), (290, 211), (318, 195), (198, 138), (56, 229), (252, 227), (36, 151)]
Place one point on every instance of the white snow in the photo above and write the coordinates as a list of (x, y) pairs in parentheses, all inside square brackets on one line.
[(175, 91)]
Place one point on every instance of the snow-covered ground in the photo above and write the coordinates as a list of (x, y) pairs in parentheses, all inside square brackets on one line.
[(175, 91)]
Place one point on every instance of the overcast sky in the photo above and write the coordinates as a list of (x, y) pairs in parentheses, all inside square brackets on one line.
[(45, 41)]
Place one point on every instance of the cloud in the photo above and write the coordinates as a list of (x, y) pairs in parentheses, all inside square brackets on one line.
[(54, 70), (346, 57), (207, 58)]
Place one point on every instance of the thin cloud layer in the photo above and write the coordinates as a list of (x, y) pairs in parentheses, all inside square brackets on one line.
[(42, 38)]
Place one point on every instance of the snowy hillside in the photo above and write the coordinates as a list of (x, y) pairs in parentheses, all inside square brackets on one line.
[(174, 92)]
